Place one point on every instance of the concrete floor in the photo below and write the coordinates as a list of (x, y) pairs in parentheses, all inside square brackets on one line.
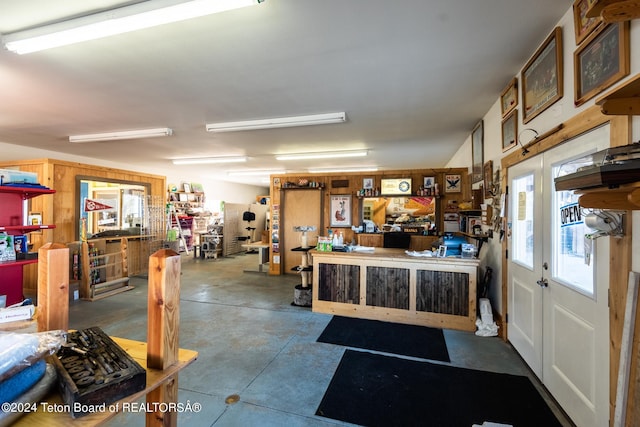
[(253, 343)]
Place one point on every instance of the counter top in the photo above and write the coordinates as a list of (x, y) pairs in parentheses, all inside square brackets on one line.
[(393, 254)]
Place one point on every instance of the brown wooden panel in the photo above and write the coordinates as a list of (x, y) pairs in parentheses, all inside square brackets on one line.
[(388, 287), (299, 207), (339, 283), (442, 292)]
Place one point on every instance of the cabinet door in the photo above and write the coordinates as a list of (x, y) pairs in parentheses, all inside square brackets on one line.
[(374, 240)]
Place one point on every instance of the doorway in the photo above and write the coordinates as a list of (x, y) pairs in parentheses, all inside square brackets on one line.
[(299, 207), (558, 284)]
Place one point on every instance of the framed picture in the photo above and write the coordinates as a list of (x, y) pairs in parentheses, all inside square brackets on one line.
[(509, 97), (340, 210), (442, 251), (487, 171), (601, 60), (367, 183), (477, 155), (510, 131), (428, 181), (582, 25), (541, 80), (453, 183), (186, 187)]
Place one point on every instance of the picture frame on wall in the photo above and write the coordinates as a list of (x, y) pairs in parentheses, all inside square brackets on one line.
[(477, 152), (453, 183), (602, 60), (542, 78), (340, 205), (367, 183), (509, 97), (428, 181), (487, 171), (510, 131), (582, 24)]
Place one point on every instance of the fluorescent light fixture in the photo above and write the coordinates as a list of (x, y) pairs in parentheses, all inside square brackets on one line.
[(256, 173), (322, 155), (210, 160), (114, 136), (281, 122), (141, 15), (347, 169)]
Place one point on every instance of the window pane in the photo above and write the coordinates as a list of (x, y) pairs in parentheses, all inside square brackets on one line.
[(522, 222), (570, 266)]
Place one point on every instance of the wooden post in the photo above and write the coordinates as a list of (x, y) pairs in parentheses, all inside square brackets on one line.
[(162, 329), (85, 272), (53, 287)]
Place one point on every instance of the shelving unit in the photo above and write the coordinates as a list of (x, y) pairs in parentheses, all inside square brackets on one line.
[(103, 267), (12, 222)]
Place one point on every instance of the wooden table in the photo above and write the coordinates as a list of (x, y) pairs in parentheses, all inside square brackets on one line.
[(263, 253), (138, 351)]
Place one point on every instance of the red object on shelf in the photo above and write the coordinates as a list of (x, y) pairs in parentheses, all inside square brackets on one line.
[(12, 222)]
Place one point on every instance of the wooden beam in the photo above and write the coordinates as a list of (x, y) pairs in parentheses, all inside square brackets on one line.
[(53, 287), (596, 9), (163, 321), (621, 11), (621, 106)]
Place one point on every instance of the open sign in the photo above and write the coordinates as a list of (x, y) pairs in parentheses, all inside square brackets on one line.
[(570, 215)]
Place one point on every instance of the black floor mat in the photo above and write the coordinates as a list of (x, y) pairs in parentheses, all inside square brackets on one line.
[(377, 390), (396, 338)]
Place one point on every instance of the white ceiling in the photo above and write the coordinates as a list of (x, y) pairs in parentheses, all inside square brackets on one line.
[(413, 76)]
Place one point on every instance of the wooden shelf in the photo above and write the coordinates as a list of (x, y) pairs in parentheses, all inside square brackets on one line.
[(614, 10), (26, 192), (625, 198), (623, 100), (22, 229)]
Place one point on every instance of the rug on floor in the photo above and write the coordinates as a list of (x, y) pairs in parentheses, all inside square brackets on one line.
[(388, 337), (377, 390)]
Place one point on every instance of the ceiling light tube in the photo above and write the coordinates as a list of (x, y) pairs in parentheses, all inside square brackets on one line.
[(322, 155), (114, 136), (347, 169), (256, 173), (210, 160), (141, 15), (281, 122)]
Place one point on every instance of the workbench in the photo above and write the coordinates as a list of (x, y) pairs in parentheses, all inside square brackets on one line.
[(155, 378)]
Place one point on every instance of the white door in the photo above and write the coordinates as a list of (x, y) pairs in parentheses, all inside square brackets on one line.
[(558, 287)]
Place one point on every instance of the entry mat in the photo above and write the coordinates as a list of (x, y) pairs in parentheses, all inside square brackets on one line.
[(377, 390), (388, 337)]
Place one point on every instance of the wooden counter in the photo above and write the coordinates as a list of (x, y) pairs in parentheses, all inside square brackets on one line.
[(390, 285)]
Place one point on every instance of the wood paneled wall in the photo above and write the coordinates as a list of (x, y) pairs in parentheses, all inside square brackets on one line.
[(60, 208), (351, 183)]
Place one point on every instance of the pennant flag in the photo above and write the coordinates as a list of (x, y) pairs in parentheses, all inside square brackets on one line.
[(94, 205)]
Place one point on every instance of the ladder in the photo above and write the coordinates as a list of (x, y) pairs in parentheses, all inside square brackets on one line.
[(173, 215)]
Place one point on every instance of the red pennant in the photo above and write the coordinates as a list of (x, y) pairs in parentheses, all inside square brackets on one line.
[(94, 205)]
